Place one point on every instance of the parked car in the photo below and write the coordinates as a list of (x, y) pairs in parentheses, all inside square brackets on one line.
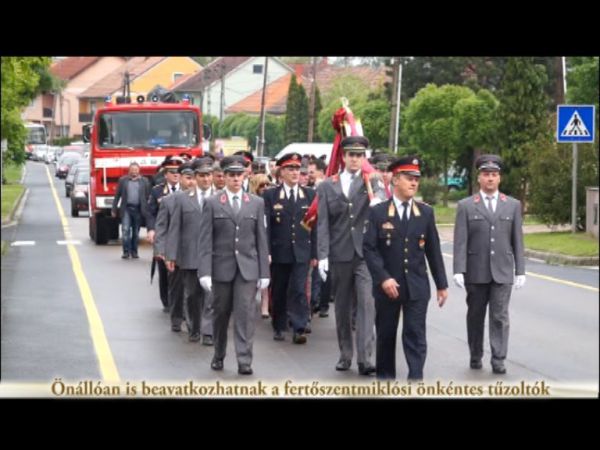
[(456, 180), (65, 162), (82, 164), (79, 193)]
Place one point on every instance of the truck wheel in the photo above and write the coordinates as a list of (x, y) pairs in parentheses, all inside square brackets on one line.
[(74, 211), (98, 229)]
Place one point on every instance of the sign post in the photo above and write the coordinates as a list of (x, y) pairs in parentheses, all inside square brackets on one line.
[(575, 123)]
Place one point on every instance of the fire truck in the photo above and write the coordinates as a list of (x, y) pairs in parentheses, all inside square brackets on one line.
[(145, 132)]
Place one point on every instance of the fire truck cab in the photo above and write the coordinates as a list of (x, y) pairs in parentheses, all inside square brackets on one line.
[(145, 132)]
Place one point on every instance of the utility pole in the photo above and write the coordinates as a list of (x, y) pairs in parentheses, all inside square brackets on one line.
[(261, 148), (222, 91), (399, 89), (313, 94), (392, 134)]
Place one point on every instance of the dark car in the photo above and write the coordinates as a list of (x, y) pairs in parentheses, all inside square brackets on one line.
[(79, 193), (65, 162), (75, 168)]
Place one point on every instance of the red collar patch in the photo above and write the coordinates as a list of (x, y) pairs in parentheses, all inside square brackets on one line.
[(224, 198), (503, 197), (246, 198), (476, 198)]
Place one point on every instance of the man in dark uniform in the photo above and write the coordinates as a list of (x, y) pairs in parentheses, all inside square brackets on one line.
[(400, 234), (171, 184), (488, 256), (291, 248)]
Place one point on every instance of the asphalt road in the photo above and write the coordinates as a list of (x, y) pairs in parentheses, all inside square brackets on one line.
[(46, 331)]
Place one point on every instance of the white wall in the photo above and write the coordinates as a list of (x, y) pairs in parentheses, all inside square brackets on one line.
[(240, 83)]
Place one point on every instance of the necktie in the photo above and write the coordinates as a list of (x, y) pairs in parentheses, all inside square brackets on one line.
[(490, 205), (405, 212), (292, 198), (236, 205), (173, 188), (201, 199)]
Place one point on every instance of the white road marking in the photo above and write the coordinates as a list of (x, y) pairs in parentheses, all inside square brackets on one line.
[(22, 243), (71, 242)]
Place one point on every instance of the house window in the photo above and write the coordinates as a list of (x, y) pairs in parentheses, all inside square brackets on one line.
[(93, 107), (177, 75), (257, 68)]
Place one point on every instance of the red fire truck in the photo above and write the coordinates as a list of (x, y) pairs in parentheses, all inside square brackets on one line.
[(144, 132)]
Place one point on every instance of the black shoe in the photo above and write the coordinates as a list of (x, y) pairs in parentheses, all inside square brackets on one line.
[(265, 316), (125, 256), (194, 337), (278, 336), (207, 340), (216, 364), (343, 364), (245, 369), (176, 328), (476, 365), (365, 369), (134, 255), (501, 370), (324, 314), (299, 338)]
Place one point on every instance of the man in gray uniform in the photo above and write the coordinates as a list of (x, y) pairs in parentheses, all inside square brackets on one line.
[(234, 256), (488, 252), (342, 215), (182, 248)]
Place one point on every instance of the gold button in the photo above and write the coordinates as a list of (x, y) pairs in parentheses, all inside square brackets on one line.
[(405, 270), (405, 239), (405, 250), (406, 260)]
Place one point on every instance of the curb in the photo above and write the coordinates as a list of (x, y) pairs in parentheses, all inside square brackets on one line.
[(556, 258)]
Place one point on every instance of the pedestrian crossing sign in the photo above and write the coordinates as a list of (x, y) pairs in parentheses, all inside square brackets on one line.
[(575, 123)]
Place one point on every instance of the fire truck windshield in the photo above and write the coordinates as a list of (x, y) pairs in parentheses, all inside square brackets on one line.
[(148, 129)]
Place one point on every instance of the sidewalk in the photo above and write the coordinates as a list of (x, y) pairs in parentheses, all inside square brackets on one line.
[(447, 234)]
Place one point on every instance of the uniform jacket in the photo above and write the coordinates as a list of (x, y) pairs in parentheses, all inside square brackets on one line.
[(183, 236), (390, 255), (289, 241), (341, 220), (489, 246), (157, 193), (161, 224), (233, 241)]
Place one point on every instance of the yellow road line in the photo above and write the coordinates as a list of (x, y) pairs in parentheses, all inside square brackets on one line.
[(556, 280), (108, 368)]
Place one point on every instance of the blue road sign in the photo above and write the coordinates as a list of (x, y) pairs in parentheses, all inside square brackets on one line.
[(575, 123)]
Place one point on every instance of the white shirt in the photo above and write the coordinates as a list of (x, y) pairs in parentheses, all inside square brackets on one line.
[(494, 196), (400, 208), (346, 180), (230, 196), (177, 187), (201, 198), (288, 189)]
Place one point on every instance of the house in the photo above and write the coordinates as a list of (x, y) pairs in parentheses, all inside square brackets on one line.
[(145, 73), (275, 98), (277, 91), (240, 76), (60, 112)]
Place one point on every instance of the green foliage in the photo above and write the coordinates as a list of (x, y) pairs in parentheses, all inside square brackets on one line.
[(582, 81), (318, 108), (20, 84), (566, 243), (62, 141), (296, 121), (430, 190), (374, 114), (455, 195), (522, 117), (551, 180), (274, 130)]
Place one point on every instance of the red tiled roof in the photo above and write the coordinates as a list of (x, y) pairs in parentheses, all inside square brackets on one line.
[(182, 79), (114, 80), (275, 98), (68, 68), (211, 73)]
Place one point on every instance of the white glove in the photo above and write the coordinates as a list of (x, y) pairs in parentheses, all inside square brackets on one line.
[(519, 281), (323, 268), (459, 280), (262, 283), (206, 283), (375, 201)]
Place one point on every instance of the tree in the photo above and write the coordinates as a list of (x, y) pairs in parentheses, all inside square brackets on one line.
[(374, 114), (522, 117), (318, 108), (431, 125), (296, 119), (20, 85)]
